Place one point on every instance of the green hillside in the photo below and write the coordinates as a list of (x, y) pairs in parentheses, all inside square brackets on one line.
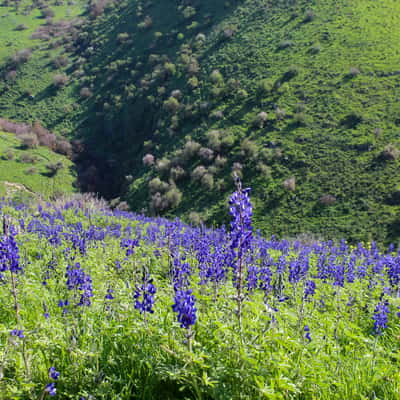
[(301, 98), (28, 173)]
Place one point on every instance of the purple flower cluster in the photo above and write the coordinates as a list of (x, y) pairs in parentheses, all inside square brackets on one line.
[(51, 387), (9, 253), (144, 295), (380, 316), (80, 283), (185, 301), (241, 233), (184, 306)]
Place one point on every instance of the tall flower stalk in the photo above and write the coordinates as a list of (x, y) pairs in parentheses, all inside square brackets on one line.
[(241, 235)]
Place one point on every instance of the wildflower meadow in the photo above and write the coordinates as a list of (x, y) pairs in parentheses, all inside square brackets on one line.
[(101, 304)]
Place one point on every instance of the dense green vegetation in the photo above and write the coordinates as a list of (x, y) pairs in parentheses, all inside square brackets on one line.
[(299, 97)]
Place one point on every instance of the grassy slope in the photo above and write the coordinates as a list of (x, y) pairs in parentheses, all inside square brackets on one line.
[(14, 171), (326, 155), (54, 107)]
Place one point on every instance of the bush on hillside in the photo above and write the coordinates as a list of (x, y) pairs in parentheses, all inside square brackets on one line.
[(27, 158), (198, 173), (206, 154), (390, 152), (260, 119), (172, 105), (327, 199), (190, 149), (148, 160), (60, 80), (21, 56), (309, 16), (85, 93), (54, 168), (29, 140), (177, 173), (64, 147), (157, 185), (290, 184)]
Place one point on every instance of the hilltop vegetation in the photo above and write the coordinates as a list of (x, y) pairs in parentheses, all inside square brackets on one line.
[(169, 98)]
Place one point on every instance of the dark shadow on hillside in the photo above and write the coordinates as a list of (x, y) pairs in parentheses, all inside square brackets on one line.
[(119, 133)]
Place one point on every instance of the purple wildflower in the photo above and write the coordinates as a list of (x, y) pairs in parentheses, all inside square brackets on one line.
[(18, 333), (53, 374), (144, 295), (51, 389), (185, 308), (307, 334), (309, 289), (381, 316)]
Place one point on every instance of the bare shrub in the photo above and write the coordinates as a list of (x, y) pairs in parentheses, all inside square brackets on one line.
[(216, 77), (60, 80), (353, 72), (198, 173), (85, 93), (29, 140), (157, 185), (22, 56), (177, 173), (54, 168), (207, 181), (170, 199), (27, 158), (47, 13), (220, 162), (214, 139), (148, 160), (327, 199), (390, 152), (309, 16), (285, 44), (172, 105), (173, 197), (290, 184), (280, 113), (97, 7), (190, 149), (21, 27), (11, 76), (163, 165), (193, 67), (206, 154), (177, 94), (248, 149), (60, 62), (10, 155), (261, 119), (64, 147)]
